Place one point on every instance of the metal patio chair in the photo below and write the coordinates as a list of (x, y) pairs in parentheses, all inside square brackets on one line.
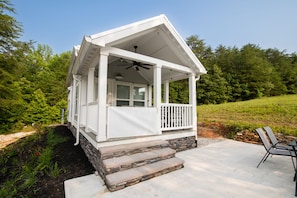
[(274, 141), (272, 149)]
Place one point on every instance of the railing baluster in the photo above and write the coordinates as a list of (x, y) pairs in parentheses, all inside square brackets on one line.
[(176, 116)]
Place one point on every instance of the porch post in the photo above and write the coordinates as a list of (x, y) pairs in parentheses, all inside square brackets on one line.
[(166, 91), (83, 90), (102, 90), (90, 94), (192, 99), (150, 95), (73, 99), (78, 79), (83, 101), (158, 95), (70, 101)]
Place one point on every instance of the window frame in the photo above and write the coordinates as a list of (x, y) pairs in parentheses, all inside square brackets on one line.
[(131, 92)]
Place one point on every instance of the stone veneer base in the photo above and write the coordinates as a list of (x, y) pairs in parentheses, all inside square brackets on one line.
[(94, 155)]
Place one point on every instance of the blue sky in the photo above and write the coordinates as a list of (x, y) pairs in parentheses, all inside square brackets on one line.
[(61, 24)]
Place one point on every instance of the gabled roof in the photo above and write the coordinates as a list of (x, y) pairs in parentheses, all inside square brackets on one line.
[(155, 37)]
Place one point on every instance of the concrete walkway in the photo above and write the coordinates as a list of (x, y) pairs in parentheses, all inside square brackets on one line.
[(223, 169)]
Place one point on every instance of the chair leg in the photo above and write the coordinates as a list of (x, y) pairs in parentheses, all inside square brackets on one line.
[(264, 157), (293, 163), (294, 179)]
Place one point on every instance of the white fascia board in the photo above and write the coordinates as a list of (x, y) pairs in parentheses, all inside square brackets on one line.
[(104, 38), (176, 67), (71, 65), (81, 53), (146, 59), (175, 77)]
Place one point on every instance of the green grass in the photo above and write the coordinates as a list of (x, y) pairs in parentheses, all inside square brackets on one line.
[(280, 113)]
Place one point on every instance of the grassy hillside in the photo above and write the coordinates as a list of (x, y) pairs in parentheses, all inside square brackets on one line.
[(280, 113)]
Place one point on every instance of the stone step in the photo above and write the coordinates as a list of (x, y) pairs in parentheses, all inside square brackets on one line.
[(129, 149), (122, 179), (113, 165)]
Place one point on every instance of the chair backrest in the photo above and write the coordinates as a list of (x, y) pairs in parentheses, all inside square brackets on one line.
[(264, 138), (271, 135)]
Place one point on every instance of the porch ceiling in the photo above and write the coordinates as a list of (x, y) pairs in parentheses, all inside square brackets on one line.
[(142, 76), (154, 43), (155, 38)]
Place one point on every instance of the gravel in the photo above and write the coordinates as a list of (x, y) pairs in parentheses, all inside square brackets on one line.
[(206, 141)]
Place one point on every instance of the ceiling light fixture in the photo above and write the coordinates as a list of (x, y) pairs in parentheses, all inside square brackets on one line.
[(119, 77)]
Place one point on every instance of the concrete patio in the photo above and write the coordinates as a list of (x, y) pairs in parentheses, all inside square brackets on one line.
[(223, 169)]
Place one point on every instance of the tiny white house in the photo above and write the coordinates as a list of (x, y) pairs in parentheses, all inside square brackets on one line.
[(119, 86)]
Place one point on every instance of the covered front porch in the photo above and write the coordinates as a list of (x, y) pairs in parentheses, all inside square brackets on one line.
[(110, 101), (120, 83)]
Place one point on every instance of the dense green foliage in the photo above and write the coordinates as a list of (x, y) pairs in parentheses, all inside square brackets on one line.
[(33, 88), (278, 112), (32, 79), (243, 74)]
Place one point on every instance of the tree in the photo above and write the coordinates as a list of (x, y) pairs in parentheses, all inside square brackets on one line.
[(10, 29), (291, 78), (286, 67), (11, 103), (256, 72), (227, 60), (199, 48), (56, 89), (12, 53), (212, 88), (55, 111), (179, 92), (38, 111)]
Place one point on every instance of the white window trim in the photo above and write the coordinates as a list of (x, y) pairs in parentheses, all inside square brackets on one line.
[(131, 98)]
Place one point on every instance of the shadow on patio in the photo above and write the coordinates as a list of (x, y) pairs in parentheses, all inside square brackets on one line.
[(223, 169)]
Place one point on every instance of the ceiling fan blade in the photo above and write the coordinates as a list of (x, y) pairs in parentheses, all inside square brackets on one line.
[(129, 66), (125, 60), (136, 63), (144, 67), (146, 64)]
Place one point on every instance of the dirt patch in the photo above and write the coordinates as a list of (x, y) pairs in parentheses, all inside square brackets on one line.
[(205, 132), (11, 138), (71, 160), (215, 130), (253, 138)]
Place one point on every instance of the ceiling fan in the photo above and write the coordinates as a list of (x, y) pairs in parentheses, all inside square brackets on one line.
[(135, 64)]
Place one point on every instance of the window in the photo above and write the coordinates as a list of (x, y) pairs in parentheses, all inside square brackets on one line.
[(139, 96), (123, 95), (130, 95)]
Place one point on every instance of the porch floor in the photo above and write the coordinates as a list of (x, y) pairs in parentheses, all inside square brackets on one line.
[(223, 169)]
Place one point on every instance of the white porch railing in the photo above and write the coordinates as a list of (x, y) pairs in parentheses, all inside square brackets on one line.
[(131, 122), (176, 116), (83, 113), (92, 111), (138, 121)]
